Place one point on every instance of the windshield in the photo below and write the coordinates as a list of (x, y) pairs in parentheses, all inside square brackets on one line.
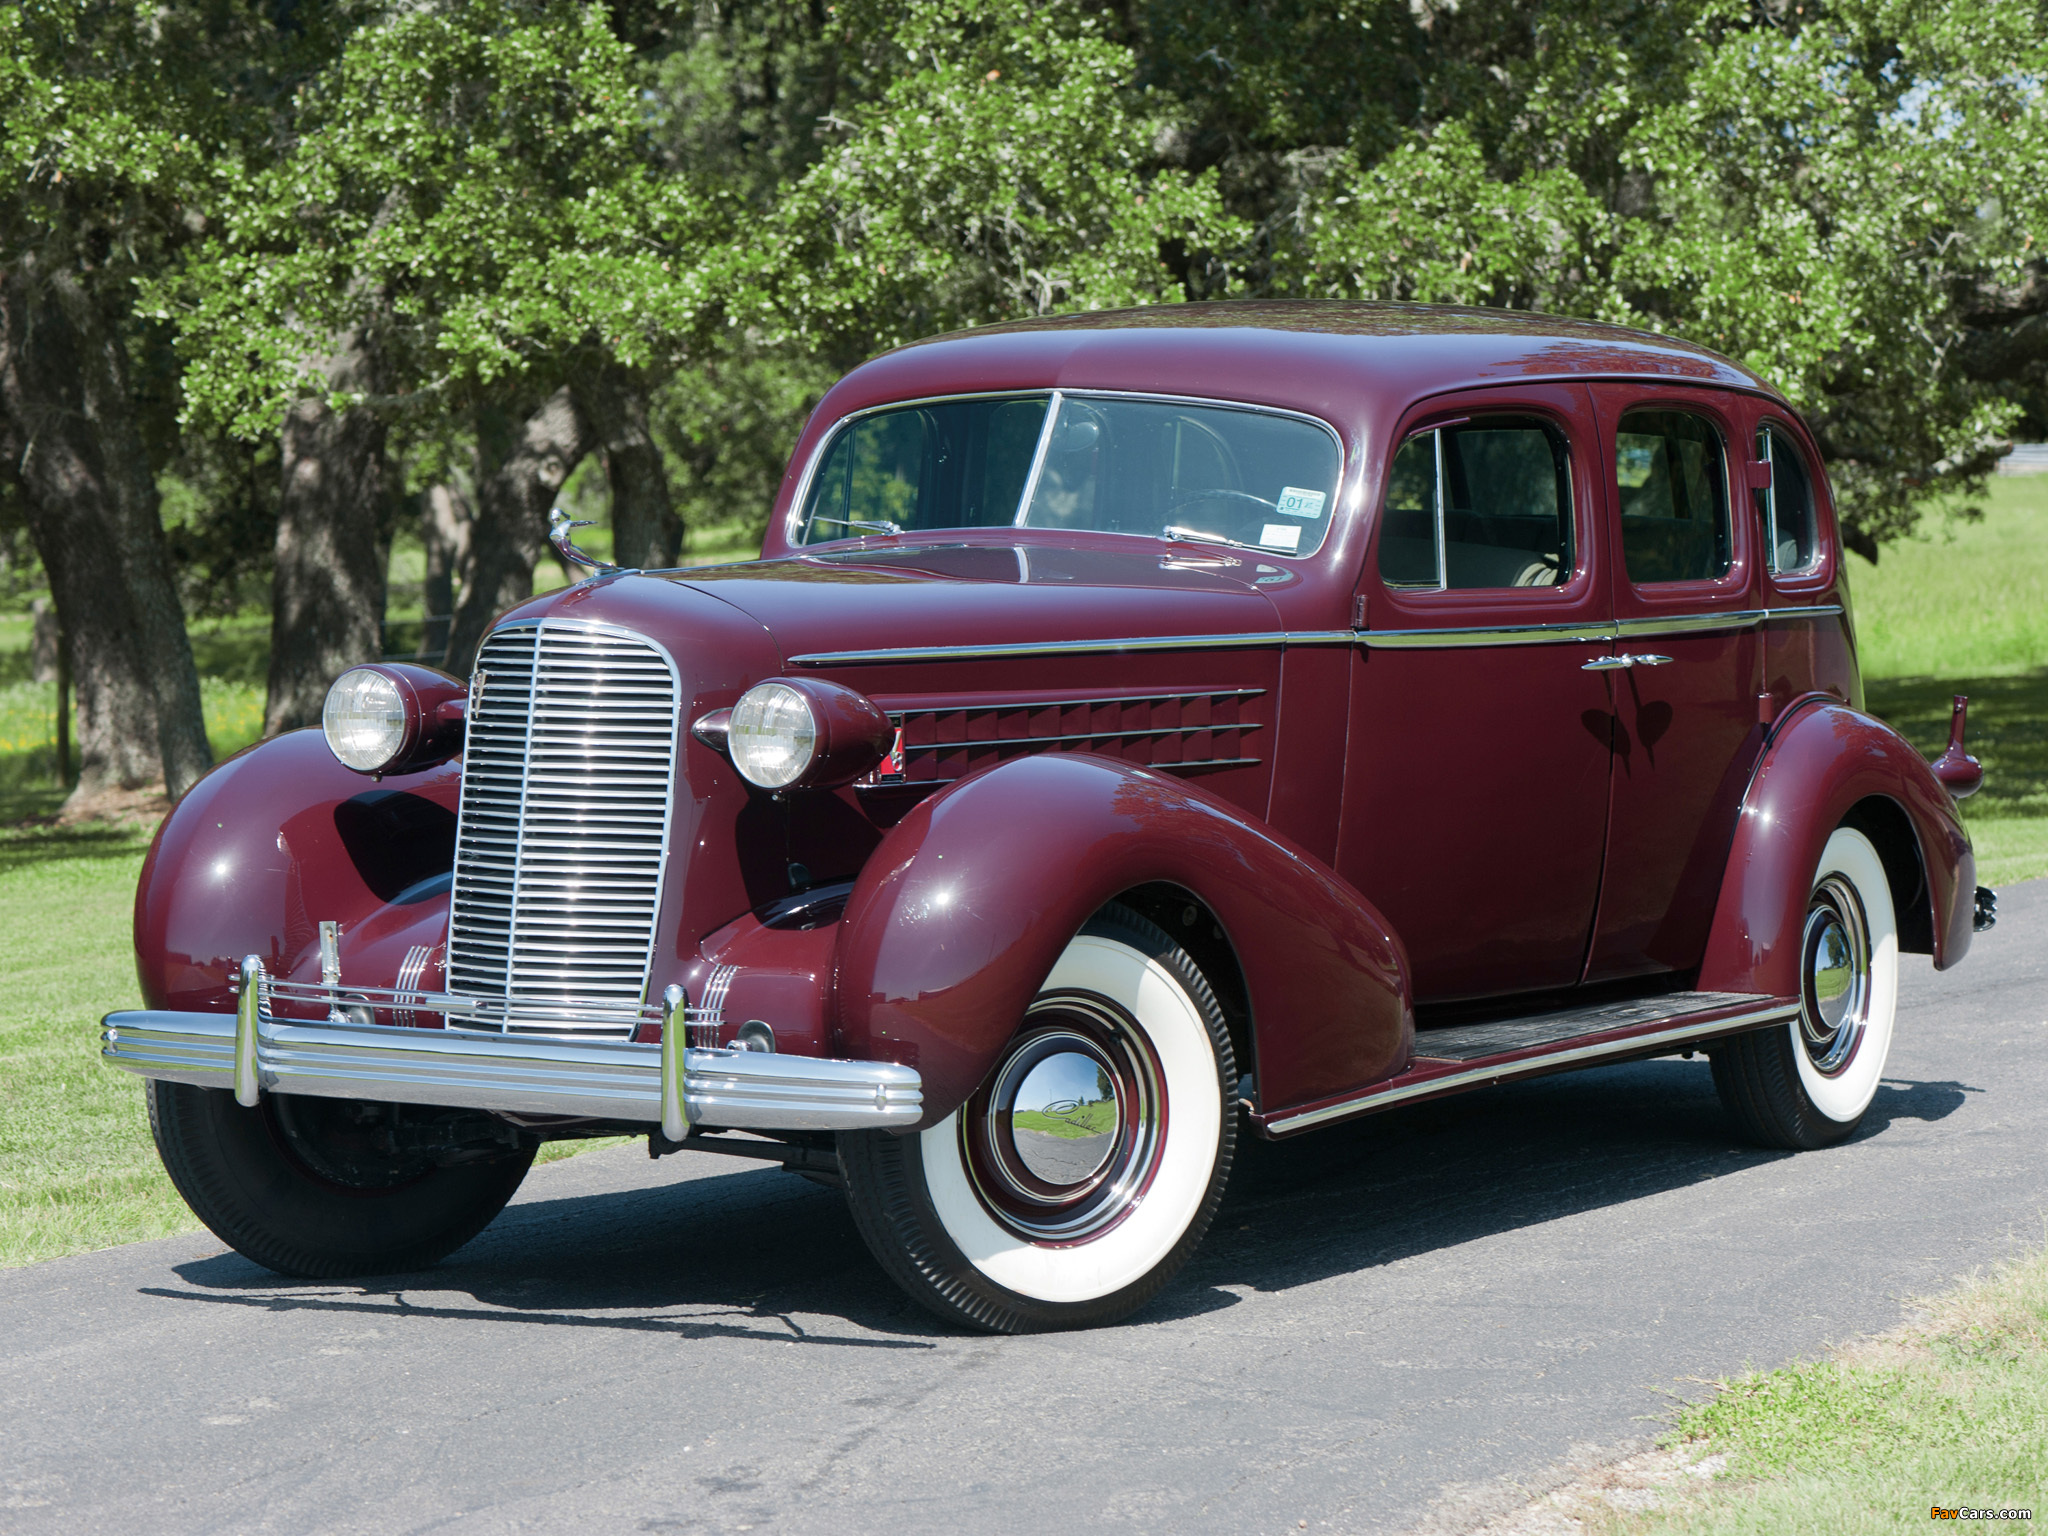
[(1157, 468)]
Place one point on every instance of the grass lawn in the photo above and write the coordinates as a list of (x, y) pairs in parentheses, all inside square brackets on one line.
[(1963, 609), (1948, 1412)]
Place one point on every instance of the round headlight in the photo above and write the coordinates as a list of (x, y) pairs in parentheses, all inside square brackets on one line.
[(365, 720), (773, 735)]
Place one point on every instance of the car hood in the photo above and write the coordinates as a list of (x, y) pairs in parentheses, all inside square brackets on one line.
[(973, 594)]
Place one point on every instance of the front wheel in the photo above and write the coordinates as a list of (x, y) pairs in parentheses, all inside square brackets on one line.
[(1809, 1084), (1082, 1173), (326, 1188)]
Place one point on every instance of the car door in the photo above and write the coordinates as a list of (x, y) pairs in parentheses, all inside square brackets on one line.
[(1476, 773), (1688, 667)]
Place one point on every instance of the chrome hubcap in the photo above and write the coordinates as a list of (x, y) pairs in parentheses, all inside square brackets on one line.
[(1067, 1132), (1834, 976)]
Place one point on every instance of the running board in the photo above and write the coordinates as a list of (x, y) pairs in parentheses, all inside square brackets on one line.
[(1466, 1056)]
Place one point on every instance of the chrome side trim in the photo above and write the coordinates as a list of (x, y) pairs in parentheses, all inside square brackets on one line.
[(1385, 1096), (1691, 623), (1599, 629), (1073, 647), (604, 1079), (1512, 634)]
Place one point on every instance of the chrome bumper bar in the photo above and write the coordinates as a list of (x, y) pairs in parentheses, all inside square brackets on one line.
[(668, 1085)]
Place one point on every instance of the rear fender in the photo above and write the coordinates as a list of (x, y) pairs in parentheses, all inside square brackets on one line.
[(958, 917), (1826, 764)]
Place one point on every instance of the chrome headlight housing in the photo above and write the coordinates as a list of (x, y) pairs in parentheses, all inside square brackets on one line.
[(799, 733), (389, 717), (773, 735), (365, 719)]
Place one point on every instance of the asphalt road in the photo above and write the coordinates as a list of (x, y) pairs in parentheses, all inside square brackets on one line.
[(1392, 1324)]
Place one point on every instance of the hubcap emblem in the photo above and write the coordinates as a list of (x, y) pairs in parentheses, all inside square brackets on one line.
[(1064, 1119)]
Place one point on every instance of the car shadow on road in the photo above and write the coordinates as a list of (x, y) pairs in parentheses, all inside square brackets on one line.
[(762, 1254)]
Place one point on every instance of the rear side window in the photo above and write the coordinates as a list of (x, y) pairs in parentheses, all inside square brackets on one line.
[(1485, 503), (1673, 481), (1791, 525)]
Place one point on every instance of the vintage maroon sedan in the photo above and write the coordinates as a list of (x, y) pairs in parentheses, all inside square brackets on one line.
[(1136, 724)]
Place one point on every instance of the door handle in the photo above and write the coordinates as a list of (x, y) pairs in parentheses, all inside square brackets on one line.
[(1616, 663)]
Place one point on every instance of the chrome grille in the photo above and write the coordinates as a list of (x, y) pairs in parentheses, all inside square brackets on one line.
[(567, 780)]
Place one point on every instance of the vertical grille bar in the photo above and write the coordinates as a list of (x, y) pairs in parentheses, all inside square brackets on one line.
[(561, 840)]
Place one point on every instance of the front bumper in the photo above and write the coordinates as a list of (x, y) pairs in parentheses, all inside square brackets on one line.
[(668, 1085)]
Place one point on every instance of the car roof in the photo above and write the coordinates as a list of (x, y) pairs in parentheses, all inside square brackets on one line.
[(1338, 359)]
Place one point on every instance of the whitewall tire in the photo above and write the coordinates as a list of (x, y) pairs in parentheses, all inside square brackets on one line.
[(1084, 1170), (1810, 1083)]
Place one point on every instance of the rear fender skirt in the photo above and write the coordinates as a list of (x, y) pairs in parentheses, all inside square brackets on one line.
[(960, 913), (1820, 764), (272, 843)]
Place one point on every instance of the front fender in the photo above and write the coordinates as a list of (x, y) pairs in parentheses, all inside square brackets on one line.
[(958, 916), (1822, 763), (275, 841)]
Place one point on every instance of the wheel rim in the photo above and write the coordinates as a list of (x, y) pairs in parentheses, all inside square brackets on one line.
[(1065, 1136), (1834, 977)]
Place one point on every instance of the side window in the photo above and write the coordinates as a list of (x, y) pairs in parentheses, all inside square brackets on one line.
[(1484, 503), (1674, 497), (1791, 526)]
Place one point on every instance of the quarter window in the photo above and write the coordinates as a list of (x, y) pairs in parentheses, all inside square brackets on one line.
[(1791, 526), (1674, 497), (1484, 503)]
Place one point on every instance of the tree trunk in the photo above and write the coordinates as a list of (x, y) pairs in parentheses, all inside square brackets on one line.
[(523, 465), (446, 518), (72, 444), (646, 533), (327, 597)]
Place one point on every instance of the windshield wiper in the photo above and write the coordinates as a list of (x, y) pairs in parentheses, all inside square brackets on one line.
[(858, 524), (1195, 535)]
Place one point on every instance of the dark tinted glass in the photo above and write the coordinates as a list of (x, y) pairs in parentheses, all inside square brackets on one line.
[(951, 464), (1158, 467), (1408, 525), (1503, 507), (1674, 497), (1789, 514)]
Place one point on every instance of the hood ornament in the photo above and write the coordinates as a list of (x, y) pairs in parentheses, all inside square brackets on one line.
[(560, 526)]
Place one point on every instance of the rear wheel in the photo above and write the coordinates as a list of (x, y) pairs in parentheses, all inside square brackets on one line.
[(322, 1188), (1082, 1173), (1809, 1084)]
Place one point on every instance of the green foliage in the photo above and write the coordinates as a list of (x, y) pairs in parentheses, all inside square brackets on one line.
[(1836, 195), (470, 184), (1004, 171)]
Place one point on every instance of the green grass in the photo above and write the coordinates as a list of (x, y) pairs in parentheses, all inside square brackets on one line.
[(1961, 599), (1964, 609), (1950, 1411), (77, 1170)]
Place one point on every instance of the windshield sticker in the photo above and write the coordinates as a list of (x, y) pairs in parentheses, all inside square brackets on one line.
[(1295, 502), (1281, 536)]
